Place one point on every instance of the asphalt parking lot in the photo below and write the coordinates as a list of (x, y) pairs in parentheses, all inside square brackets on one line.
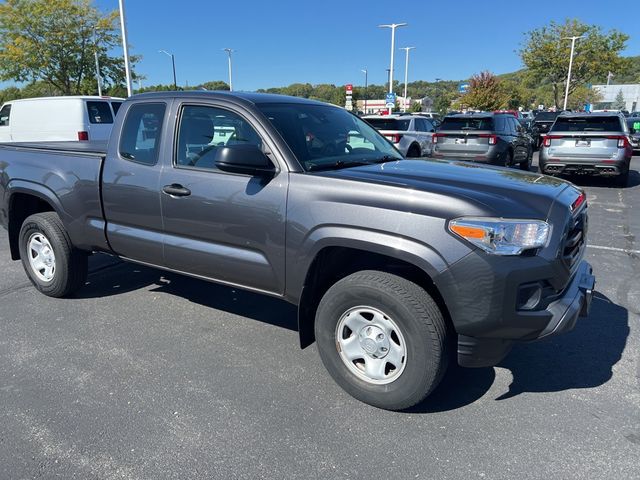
[(149, 375)]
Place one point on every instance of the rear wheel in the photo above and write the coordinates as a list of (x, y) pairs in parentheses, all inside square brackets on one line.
[(54, 266), (382, 338), (526, 164), (508, 158), (414, 151), (622, 180)]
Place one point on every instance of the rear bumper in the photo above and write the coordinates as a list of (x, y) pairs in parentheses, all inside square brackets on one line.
[(607, 167), (485, 342)]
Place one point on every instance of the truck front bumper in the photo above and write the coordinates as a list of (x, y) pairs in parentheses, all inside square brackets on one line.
[(560, 315)]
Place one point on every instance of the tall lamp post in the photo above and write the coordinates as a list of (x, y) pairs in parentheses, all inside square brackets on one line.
[(366, 85), (573, 44), (173, 65), (406, 75), (393, 27), (125, 47), (95, 52), (229, 52)]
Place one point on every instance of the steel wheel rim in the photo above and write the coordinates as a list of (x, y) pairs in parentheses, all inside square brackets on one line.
[(42, 259), (371, 345)]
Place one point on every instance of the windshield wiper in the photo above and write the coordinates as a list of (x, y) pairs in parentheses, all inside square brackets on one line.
[(385, 159), (337, 165)]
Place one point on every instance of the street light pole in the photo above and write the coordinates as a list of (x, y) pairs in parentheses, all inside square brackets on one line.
[(366, 74), (173, 65), (95, 52), (125, 47), (566, 92), (406, 75), (393, 27), (229, 52)]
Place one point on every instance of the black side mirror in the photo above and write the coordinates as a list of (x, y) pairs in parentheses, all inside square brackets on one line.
[(244, 158)]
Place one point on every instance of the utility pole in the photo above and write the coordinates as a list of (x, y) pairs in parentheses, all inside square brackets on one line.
[(95, 52), (406, 75), (366, 74), (173, 65), (573, 43), (393, 27), (229, 52), (125, 47), (609, 77)]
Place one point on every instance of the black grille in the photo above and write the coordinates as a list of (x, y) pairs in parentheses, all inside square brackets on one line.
[(574, 240)]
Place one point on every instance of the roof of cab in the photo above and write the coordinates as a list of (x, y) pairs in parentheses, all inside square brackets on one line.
[(254, 98)]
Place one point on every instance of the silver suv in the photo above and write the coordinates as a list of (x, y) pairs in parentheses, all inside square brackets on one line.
[(410, 134), (588, 144)]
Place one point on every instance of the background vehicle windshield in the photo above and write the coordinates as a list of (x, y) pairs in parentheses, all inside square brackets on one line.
[(587, 124), (327, 137), (546, 116), (459, 123), (389, 123)]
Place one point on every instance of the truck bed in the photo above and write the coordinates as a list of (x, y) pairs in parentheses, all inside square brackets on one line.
[(85, 148)]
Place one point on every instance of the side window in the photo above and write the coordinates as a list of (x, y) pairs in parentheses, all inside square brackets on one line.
[(418, 125), (500, 124), (140, 137), (429, 125), (99, 112), (4, 115), (203, 131)]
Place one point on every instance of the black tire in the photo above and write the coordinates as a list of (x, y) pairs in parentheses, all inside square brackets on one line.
[(419, 320), (414, 151), (70, 263), (622, 180), (508, 158), (526, 165)]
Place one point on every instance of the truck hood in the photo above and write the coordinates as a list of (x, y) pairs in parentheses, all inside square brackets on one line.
[(494, 191)]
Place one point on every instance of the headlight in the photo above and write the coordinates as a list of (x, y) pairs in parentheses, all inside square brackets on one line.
[(501, 236)]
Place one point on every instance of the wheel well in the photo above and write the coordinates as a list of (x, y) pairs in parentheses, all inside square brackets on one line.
[(334, 263), (21, 205), (414, 146)]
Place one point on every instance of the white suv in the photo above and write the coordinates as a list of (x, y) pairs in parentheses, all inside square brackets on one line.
[(411, 134)]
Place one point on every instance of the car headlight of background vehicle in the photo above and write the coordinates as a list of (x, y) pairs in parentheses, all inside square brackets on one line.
[(501, 236)]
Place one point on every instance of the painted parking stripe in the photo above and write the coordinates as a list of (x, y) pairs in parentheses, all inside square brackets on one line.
[(613, 249)]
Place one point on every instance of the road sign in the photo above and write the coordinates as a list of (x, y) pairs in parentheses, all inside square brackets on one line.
[(390, 100), (349, 88), (463, 87)]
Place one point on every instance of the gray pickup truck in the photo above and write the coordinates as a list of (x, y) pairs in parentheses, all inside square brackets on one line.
[(395, 265)]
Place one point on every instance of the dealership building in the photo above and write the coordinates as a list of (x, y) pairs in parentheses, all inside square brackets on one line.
[(609, 93)]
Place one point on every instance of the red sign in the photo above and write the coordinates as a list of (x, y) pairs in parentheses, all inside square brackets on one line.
[(349, 88)]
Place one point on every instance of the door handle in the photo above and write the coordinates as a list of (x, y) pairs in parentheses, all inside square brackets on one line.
[(176, 190)]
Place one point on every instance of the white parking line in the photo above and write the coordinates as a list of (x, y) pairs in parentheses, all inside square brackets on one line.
[(613, 249)]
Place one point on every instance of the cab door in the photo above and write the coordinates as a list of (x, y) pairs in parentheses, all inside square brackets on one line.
[(130, 184), (228, 227)]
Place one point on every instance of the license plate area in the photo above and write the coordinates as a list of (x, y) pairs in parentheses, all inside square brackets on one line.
[(583, 143), (461, 141)]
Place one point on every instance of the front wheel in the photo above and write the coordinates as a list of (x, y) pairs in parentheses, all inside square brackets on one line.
[(53, 265), (382, 338)]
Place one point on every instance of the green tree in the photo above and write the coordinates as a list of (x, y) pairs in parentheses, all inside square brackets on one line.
[(214, 85), (54, 41), (485, 92), (619, 102), (546, 54)]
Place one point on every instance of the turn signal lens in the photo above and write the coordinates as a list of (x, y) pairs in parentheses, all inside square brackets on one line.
[(502, 236)]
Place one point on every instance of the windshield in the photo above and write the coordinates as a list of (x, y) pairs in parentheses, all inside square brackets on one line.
[(327, 137), (389, 123), (587, 124), (546, 116), (461, 123)]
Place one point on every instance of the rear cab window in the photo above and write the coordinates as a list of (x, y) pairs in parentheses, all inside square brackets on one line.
[(389, 123), (5, 113), (460, 123), (140, 138), (587, 124), (99, 112)]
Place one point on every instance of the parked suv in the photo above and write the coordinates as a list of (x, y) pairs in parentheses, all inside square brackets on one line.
[(588, 144), (541, 125), (633, 123), (411, 134), (496, 138)]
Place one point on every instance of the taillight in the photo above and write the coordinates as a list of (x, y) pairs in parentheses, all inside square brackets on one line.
[(83, 136), (394, 137), (547, 139), (579, 201), (493, 139), (623, 142), (436, 136)]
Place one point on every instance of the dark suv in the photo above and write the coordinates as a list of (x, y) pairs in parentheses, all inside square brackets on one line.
[(495, 138), (541, 125)]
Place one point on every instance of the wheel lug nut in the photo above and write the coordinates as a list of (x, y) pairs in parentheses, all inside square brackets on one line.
[(380, 336), (384, 349)]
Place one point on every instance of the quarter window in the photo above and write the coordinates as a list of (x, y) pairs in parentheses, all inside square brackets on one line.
[(141, 133), (203, 131)]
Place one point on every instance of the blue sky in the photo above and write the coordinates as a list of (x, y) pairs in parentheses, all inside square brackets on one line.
[(329, 41)]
